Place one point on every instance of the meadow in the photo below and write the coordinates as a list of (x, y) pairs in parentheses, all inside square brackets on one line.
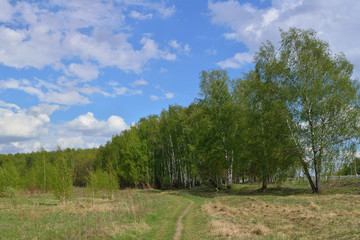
[(287, 211)]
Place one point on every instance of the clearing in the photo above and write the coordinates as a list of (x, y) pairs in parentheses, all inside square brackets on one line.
[(289, 211)]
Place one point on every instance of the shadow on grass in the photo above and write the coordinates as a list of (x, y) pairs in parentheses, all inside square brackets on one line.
[(208, 192), (287, 189)]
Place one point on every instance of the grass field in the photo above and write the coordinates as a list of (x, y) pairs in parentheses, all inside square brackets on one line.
[(289, 211)]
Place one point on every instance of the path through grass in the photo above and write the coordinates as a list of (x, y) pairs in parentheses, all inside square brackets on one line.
[(287, 212)]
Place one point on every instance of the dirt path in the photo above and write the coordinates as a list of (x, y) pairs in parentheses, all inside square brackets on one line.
[(179, 225)]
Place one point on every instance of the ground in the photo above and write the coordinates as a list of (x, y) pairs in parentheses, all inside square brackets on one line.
[(289, 211)]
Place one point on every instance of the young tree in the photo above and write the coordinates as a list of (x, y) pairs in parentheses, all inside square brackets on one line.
[(63, 184), (323, 99)]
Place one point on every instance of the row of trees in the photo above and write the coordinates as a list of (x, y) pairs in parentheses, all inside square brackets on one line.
[(56, 172), (297, 109)]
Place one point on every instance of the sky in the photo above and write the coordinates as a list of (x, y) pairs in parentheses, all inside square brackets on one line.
[(75, 73)]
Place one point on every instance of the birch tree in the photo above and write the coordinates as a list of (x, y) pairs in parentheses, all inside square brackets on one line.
[(216, 95), (323, 100)]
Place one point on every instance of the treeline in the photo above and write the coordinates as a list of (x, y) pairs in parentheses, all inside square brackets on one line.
[(297, 109)]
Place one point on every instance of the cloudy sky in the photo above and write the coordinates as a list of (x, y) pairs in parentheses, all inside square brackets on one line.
[(74, 73)]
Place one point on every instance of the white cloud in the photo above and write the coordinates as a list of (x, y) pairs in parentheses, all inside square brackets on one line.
[(89, 90), (335, 22), (237, 61), (88, 125), (6, 11), (127, 91), (21, 124), (85, 72), (27, 130), (139, 82), (70, 142), (167, 12), (26, 146), (71, 97), (113, 83), (44, 109), (67, 95), (174, 44), (159, 7), (167, 95), (85, 30), (183, 48), (140, 16), (8, 105)]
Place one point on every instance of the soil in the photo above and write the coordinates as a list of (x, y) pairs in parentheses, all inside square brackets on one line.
[(179, 225)]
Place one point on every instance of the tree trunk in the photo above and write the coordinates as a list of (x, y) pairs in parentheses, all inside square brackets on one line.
[(229, 170), (264, 180), (317, 178), (229, 177), (306, 171)]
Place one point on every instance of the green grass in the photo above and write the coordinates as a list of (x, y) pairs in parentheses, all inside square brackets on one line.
[(288, 211)]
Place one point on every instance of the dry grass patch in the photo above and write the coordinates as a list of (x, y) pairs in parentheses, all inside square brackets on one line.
[(300, 217), (225, 224)]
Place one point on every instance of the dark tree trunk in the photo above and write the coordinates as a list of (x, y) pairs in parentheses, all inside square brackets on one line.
[(311, 182)]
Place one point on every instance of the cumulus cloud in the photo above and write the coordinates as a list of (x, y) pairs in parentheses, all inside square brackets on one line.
[(88, 125), (70, 142), (27, 130), (20, 124), (253, 25), (25, 146)]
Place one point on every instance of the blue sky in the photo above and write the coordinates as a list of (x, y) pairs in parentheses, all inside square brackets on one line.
[(74, 73)]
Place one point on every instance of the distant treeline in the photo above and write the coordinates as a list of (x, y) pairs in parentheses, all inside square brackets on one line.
[(297, 109)]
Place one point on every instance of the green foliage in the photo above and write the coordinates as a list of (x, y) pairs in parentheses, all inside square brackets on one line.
[(350, 168), (62, 184), (94, 182), (9, 178), (102, 180)]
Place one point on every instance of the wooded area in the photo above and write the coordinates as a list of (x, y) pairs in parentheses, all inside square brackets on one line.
[(296, 110)]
